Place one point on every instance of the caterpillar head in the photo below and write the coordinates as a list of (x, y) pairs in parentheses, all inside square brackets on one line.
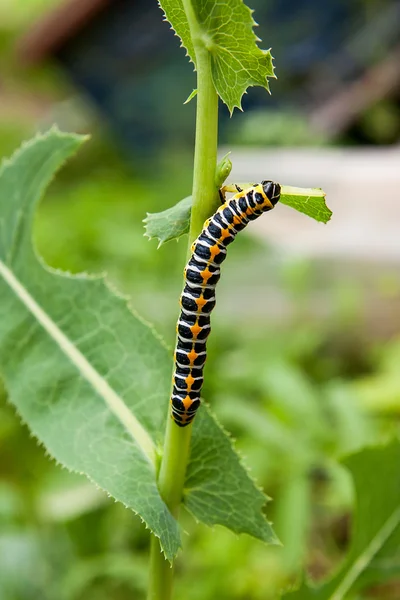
[(272, 191)]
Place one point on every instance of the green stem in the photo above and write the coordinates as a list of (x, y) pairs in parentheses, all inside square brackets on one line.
[(205, 192), (205, 198), (170, 483), (161, 573)]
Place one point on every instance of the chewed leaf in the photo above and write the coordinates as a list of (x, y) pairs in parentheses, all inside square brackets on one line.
[(92, 380), (226, 31), (310, 201), (174, 222), (169, 224)]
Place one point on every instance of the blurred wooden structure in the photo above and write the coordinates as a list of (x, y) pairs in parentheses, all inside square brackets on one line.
[(362, 187), (55, 28), (352, 261), (352, 98)]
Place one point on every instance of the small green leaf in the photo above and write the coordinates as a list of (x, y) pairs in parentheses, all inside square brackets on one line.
[(226, 30), (374, 554), (92, 380), (224, 167), (190, 97), (169, 224), (310, 201)]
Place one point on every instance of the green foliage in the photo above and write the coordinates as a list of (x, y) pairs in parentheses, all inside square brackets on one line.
[(374, 551), (169, 224), (225, 29), (90, 222), (275, 127), (92, 379), (271, 387), (89, 396), (380, 392), (174, 222), (239, 506)]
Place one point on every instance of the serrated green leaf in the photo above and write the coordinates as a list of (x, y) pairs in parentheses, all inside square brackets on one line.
[(174, 222), (169, 224), (203, 495), (226, 30), (374, 553), (92, 380), (76, 362), (309, 201)]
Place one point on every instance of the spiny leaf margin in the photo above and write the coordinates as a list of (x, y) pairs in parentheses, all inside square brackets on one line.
[(237, 62), (232, 476), (170, 224), (48, 384)]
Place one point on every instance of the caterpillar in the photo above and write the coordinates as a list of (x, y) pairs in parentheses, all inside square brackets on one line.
[(197, 300)]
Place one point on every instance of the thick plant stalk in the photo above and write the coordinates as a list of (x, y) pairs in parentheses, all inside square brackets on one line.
[(205, 199)]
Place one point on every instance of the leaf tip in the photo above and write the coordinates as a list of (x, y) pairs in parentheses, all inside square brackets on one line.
[(191, 96)]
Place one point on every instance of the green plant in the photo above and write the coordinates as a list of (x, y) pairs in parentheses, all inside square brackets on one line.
[(84, 371)]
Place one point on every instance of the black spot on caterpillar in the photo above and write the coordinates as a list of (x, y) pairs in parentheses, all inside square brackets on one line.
[(198, 297)]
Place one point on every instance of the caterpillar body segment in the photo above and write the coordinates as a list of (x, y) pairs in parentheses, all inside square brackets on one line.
[(197, 301)]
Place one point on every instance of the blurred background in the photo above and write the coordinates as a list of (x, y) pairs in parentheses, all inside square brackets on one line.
[(310, 370)]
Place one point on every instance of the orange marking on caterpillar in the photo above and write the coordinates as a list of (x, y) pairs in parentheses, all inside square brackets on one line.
[(236, 220), (214, 250), (200, 302), (192, 355), (187, 402), (206, 274), (189, 382), (195, 329)]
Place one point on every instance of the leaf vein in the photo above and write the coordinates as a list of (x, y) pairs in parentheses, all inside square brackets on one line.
[(87, 371)]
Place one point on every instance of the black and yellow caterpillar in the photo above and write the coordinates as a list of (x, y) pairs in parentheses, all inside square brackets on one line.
[(202, 273)]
